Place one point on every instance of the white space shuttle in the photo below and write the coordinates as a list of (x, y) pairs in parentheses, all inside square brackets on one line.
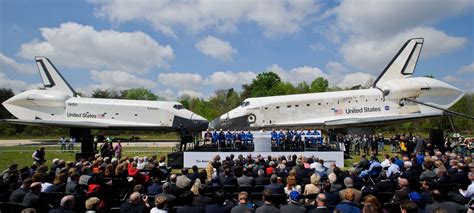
[(58, 105), (394, 96)]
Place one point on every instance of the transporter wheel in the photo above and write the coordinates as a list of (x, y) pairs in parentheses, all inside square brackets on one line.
[(251, 118)]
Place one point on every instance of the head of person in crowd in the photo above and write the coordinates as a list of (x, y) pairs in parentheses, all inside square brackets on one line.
[(407, 206), (67, 202), (160, 202), (349, 195), (370, 208), (243, 197), (92, 204), (267, 195), (321, 199), (294, 197)]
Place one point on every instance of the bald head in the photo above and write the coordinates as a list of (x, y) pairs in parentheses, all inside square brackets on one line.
[(135, 197), (35, 187), (67, 202), (402, 182), (321, 199)]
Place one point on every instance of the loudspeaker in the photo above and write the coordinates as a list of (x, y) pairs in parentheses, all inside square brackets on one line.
[(175, 160), (437, 138)]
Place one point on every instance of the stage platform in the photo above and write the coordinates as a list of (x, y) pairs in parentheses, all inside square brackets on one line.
[(262, 145)]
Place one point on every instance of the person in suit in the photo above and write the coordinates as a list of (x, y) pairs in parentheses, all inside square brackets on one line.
[(18, 195), (188, 198), (67, 205), (275, 187), (72, 186), (243, 205), (321, 203), (350, 185), (293, 206), (183, 181), (135, 204), (402, 194), (261, 179), (242, 179), (268, 205), (228, 178), (171, 199), (195, 175), (218, 205), (31, 198), (202, 200)]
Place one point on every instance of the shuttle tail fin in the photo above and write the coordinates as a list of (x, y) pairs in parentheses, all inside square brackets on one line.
[(404, 62), (51, 77)]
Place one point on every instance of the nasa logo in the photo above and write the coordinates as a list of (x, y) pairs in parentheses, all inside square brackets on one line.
[(387, 108)]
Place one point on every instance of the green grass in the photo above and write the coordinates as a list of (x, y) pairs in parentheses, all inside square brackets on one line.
[(22, 154)]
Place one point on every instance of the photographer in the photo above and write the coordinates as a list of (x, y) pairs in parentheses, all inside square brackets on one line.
[(136, 204)]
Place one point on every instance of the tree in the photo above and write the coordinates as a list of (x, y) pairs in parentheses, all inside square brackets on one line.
[(5, 94), (138, 94), (319, 84), (105, 93), (265, 84)]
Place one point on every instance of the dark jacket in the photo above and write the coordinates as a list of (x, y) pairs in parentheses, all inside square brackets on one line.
[(128, 207), (18, 195), (276, 188), (292, 208)]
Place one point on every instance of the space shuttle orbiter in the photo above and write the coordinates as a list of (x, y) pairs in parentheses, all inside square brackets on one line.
[(394, 96), (58, 105)]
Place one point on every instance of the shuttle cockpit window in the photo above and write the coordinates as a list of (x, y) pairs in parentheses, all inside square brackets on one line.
[(244, 104), (178, 106)]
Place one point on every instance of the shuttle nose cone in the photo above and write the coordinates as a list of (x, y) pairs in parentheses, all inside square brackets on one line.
[(215, 124)]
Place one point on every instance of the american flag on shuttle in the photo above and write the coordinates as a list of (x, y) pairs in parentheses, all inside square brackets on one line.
[(337, 111)]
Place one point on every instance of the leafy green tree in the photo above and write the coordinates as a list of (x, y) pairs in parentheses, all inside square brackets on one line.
[(105, 93), (303, 87), (138, 94), (266, 84), (319, 84)]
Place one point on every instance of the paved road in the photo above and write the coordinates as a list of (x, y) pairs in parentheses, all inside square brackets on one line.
[(33, 142)]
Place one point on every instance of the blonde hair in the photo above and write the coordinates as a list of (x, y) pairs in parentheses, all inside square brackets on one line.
[(314, 179), (92, 203)]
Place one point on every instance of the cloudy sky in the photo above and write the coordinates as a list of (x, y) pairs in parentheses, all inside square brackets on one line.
[(194, 47)]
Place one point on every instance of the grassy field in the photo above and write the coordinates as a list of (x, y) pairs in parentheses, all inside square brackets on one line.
[(22, 154)]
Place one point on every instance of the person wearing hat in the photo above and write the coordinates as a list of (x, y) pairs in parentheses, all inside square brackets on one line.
[(293, 206)]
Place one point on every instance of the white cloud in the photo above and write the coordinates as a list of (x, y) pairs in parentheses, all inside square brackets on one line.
[(7, 64), (181, 80), (16, 85), (120, 79), (216, 48), (76, 45), (274, 17), (355, 79), (373, 54), (166, 94), (299, 74), (225, 80), (374, 18), (190, 93), (467, 68)]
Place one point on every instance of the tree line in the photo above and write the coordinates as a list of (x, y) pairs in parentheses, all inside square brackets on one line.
[(265, 84)]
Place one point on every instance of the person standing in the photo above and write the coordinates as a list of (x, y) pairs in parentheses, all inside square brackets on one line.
[(38, 156), (62, 142), (118, 150), (72, 143)]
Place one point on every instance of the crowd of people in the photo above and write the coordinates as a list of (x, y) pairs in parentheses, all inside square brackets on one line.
[(428, 180)]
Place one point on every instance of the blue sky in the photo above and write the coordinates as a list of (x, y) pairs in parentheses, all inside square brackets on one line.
[(195, 47)]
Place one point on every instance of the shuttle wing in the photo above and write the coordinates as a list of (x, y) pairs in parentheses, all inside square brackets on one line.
[(378, 119)]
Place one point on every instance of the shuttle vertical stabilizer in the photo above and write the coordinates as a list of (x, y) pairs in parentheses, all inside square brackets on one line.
[(52, 79)]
